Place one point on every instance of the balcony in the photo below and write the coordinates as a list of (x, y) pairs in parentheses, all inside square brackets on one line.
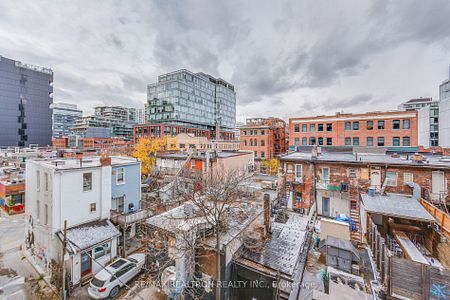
[(124, 219), (332, 186)]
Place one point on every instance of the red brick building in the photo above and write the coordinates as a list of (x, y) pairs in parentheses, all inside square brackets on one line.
[(150, 130), (266, 137), (394, 128), (335, 180)]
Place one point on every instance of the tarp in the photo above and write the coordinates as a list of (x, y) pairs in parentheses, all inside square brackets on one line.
[(345, 218)]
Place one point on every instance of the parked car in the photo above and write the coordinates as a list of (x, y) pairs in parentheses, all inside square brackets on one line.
[(107, 282)]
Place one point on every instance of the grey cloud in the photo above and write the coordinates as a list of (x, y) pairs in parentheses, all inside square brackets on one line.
[(345, 103), (272, 52)]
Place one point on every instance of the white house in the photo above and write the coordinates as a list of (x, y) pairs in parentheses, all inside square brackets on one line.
[(79, 191)]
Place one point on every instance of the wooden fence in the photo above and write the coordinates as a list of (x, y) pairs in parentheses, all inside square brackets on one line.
[(406, 279)]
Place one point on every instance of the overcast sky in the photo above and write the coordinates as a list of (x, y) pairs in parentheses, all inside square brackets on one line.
[(285, 58)]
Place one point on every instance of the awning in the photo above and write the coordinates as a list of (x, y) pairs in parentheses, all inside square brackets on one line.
[(87, 235)]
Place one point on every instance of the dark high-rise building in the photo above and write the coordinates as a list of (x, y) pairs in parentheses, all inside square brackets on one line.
[(26, 93)]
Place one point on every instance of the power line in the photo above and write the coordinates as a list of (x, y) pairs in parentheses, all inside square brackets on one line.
[(129, 288)]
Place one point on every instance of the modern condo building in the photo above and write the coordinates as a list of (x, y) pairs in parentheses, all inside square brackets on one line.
[(26, 93)]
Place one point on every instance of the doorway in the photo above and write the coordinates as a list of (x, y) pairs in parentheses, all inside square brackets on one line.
[(375, 178), (86, 264), (326, 206)]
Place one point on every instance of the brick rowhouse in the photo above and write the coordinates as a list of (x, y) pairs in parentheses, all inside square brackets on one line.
[(394, 128), (266, 137)]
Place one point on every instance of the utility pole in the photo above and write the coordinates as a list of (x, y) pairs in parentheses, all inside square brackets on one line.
[(63, 290)]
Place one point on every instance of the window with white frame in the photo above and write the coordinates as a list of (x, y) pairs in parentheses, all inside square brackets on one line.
[(298, 171), (46, 214), (87, 182), (120, 176), (326, 174), (102, 250), (93, 207), (391, 178), (38, 210), (38, 180), (408, 177), (46, 181)]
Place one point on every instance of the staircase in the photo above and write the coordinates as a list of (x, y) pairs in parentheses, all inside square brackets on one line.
[(355, 236)]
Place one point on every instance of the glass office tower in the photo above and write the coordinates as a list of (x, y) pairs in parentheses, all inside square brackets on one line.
[(197, 100), (26, 93)]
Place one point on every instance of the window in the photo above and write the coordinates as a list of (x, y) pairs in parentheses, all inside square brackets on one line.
[(408, 177), (395, 141), (46, 214), (304, 141), (38, 181), (326, 174), (296, 128), (356, 141), (46, 181), (391, 178), (312, 140), (356, 125), (329, 141), (245, 132), (298, 197), (369, 141), (396, 124), (251, 142), (329, 126), (256, 153), (102, 250), (93, 207), (406, 124), (263, 143), (319, 127), (255, 142), (348, 141), (380, 124), (118, 203), (120, 176), (348, 125), (312, 127), (263, 154), (369, 125), (304, 128), (87, 182), (262, 132), (320, 141), (245, 143), (406, 141), (38, 210), (296, 141), (380, 141), (298, 172), (124, 270)]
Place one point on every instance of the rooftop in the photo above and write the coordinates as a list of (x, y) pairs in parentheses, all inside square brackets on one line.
[(419, 100), (282, 250), (90, 234), (86, 162), (396, 206), (430, 160)]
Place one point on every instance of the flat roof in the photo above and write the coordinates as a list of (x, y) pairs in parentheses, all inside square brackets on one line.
[(396, 206), (87, 162), (369, 158)]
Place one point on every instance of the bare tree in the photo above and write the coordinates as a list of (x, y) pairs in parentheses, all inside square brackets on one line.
[(213, 200)]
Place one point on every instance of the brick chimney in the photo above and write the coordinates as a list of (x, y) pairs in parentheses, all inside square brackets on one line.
[(267, 223), (105, 160)]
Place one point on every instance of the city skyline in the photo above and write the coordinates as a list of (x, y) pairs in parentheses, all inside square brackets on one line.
[(285, 59)]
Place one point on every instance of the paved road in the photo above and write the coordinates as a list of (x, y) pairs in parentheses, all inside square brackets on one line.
[(16, 273)]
